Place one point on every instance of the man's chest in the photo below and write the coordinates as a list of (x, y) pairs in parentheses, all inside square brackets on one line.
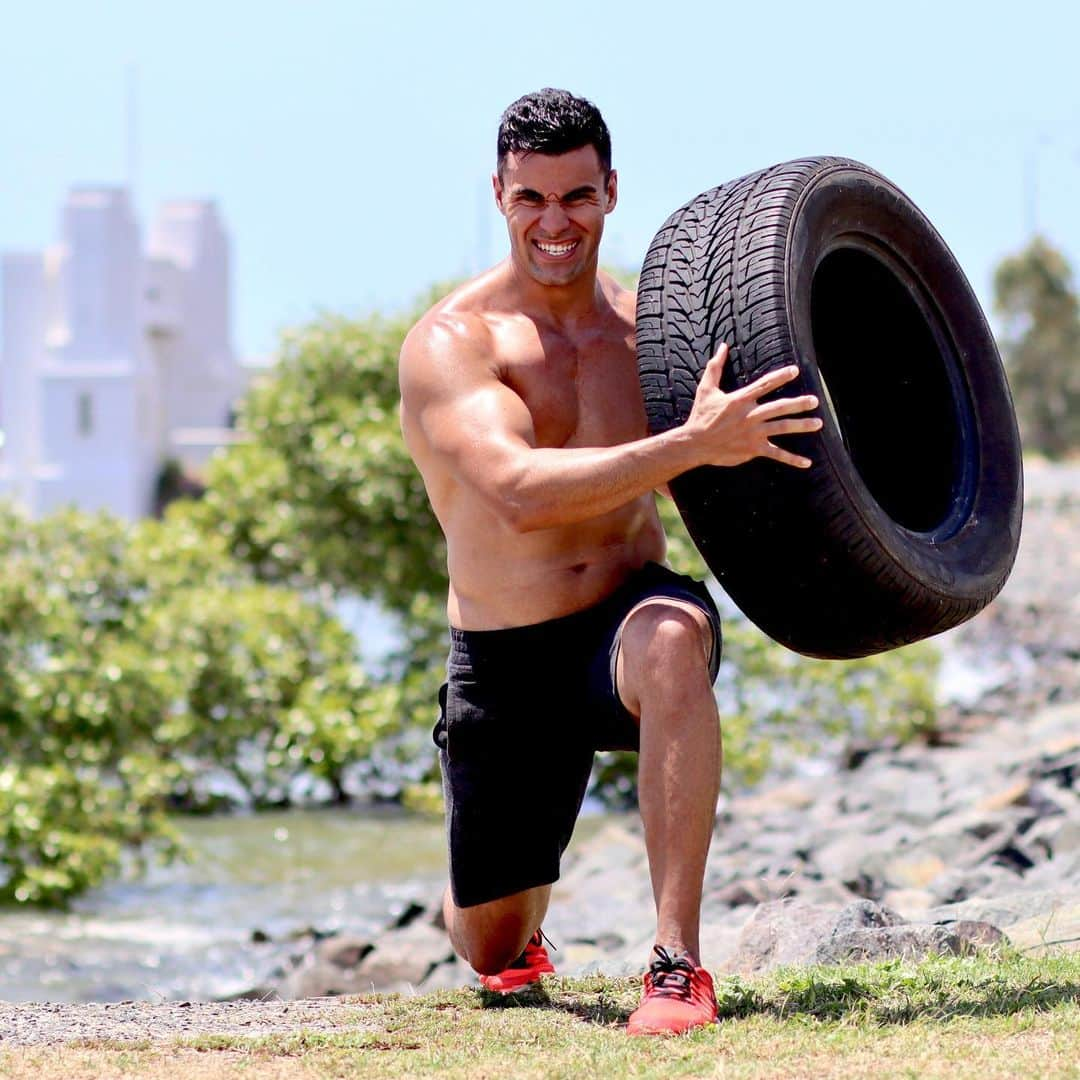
[(579, 394)]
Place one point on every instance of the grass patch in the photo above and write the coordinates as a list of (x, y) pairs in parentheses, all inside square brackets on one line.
[(950, 1017)]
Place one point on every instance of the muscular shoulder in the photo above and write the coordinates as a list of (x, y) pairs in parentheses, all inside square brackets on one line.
[(446, 346), (459, 328)]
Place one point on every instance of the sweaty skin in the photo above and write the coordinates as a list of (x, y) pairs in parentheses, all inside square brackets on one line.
[(521, 408)]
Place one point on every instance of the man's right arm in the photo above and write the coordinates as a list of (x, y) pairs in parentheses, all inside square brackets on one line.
[(482, 432)]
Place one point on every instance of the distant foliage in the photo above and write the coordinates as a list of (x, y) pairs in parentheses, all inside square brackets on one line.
[(1035, 296), (138, 663), (323, 494), (324, 491)]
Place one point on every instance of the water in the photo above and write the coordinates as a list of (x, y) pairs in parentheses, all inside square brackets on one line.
[(195, 931), (186, 931)]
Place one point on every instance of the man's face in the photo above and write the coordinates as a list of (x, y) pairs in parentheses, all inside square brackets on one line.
[(554, 208)]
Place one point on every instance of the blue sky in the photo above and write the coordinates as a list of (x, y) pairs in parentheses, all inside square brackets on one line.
[(349, 144)]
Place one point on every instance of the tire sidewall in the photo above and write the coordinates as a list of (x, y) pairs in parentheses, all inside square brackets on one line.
[(848, 204)]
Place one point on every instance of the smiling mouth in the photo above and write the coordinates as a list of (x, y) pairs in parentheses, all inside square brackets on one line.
[(557, 251)]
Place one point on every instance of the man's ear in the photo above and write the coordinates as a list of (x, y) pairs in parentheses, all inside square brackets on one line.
[(496, 186), (612, 191)]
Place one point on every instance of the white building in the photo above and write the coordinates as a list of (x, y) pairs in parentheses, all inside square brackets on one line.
[(114, 359)]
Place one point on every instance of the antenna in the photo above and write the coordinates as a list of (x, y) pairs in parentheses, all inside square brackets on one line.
[(132, 129)]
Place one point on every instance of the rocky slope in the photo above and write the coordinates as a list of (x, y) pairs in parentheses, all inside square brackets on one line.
[(890, 851)]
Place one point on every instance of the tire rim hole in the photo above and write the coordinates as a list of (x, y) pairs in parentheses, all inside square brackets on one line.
[(890, 386)]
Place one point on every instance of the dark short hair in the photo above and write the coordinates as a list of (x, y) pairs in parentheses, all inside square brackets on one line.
[(553, 122)]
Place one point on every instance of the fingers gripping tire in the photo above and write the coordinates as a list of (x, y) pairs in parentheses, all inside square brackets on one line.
[(908, 521)]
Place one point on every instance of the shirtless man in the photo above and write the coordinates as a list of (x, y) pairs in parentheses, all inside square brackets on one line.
[(521, 408)]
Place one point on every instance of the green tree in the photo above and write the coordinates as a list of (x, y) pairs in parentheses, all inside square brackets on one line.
[(323, 491), (323, 495), (1035, 297), (135, 662)]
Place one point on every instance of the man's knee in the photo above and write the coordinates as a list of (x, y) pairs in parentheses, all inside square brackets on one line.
[(491, 946), (662, 643), (664, 631), (490, 937), (490, 957)]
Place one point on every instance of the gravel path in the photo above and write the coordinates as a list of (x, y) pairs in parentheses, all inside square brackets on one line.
[(134, 1021)]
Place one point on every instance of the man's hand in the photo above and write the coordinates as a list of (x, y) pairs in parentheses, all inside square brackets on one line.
[(733, 428)]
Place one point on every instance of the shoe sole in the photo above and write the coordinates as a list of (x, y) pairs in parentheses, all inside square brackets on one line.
[(533, 979)]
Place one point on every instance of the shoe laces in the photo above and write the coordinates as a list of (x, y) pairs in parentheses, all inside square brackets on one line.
[(670, 976), (535, 942), (539, 938)]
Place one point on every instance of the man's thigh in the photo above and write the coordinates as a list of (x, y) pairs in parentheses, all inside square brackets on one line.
[(515, 758)]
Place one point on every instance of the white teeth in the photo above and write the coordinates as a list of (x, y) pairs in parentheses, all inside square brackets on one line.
[(556, 249)]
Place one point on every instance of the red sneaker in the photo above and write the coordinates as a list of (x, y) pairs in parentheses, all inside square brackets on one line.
[(524, 971), (678, 996)]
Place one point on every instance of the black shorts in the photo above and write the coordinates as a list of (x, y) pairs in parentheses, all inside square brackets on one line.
[(522, 713)]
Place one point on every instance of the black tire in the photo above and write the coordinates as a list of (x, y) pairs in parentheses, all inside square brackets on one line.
[(909, 519)]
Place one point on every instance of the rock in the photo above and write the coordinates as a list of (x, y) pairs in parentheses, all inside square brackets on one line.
[(913, 870), (865, 915), (886, 943), (1063, 768), (1060, 744), (718, 944), (910, 903), (785, 932), (956, 886), (1048, 800), (397, 960), (907, 791), (792, 795), (1004, 848), (1045, 934), (1058, 873), (759, 890), (576, 957), (606, 889), (450, 976), (977, 935), (1008, 909), (404, 958), (744, 891), (1013, 795), (911, 941), (1057, 836), (1057, 728), (345, 952), (854, 858), (780, 932), (409, 913), (968, 825), (824, 891), (325, 969)]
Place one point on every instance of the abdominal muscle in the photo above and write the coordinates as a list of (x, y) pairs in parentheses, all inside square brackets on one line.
[(500, 578)]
